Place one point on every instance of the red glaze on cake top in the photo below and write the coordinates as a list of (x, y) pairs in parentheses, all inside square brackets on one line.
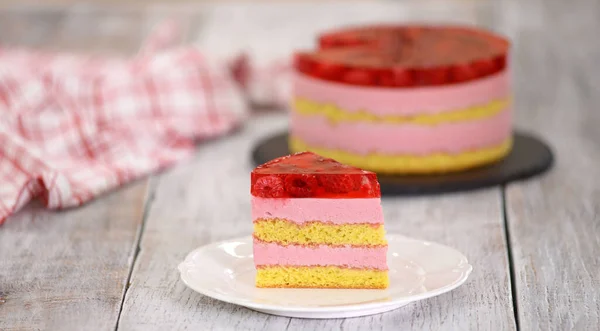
[(308, 175), (405, 56)]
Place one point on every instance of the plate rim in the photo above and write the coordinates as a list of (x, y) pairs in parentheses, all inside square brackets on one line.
[(466, 270)]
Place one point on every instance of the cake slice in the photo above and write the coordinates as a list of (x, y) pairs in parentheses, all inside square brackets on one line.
[(317, 224)]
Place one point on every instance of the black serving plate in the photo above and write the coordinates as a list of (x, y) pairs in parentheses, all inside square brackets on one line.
[(529, 157)]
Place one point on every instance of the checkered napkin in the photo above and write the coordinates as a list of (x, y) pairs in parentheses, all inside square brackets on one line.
[(73, 127)]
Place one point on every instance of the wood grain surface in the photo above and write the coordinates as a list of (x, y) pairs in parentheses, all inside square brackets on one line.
[(112, 263), (554, 222), (68, 270)]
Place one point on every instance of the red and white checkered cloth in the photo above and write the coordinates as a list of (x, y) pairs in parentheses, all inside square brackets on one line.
[(73, 127)]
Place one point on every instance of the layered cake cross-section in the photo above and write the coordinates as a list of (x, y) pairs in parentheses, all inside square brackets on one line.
[(317, 224), (406, 99)]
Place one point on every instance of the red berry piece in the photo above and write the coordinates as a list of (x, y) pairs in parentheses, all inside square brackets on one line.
[(328, 71), (301, 185), (462, 73), (501, 62), (370, 185), (340, 183), (352, 40), (386, 78), (328, 41), (403, 78), (410, 33), (304, 63), (359, 77), (343, 39), (484, 67), (432, 76), (269, 187)]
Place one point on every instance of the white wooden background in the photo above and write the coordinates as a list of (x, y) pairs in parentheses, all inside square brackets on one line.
[(535, 245)]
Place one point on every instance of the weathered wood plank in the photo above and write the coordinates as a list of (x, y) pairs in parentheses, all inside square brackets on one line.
[(199, 202), (554, 222), (100, 30), (67, 270), (88, 28), (16, 28)]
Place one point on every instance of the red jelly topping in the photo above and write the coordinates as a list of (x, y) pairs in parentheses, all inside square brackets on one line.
[(308, 175), (405, 56)]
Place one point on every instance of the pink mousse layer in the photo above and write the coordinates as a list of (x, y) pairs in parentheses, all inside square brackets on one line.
[(366, 137), (336, 211), (403, 101), (322, 255)]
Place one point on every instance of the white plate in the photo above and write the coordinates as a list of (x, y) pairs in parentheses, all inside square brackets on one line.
[(418, 270)]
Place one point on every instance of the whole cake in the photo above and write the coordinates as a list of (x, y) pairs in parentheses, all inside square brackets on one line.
[(404, 99), (317, 224)]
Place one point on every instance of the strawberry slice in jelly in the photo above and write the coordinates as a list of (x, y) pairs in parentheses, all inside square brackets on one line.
[(308, 175), (428, 55), (463, 73), (330, 71), (359, 77), (434, 76)]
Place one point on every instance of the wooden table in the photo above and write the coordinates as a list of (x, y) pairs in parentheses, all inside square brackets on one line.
[(535, 245)]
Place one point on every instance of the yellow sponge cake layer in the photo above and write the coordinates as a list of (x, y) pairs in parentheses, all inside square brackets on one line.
[(285, 233), (336, 114), (411, 164), (321, 277)]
